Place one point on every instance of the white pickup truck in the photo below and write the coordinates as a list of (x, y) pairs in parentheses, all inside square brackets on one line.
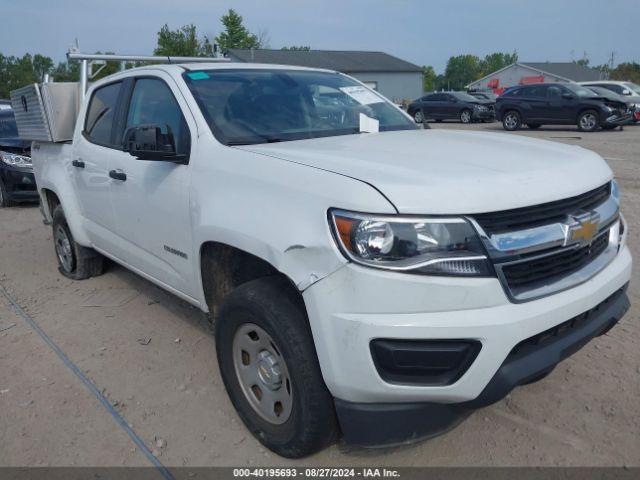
[(368, 279)]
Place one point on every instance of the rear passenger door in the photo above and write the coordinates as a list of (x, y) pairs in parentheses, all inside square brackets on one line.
[(94, 150), (536, 103), (430, 106), (151, 203)]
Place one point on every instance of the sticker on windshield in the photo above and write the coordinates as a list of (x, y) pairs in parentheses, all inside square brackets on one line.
[(362, 95), (197, 75), (368, 124)]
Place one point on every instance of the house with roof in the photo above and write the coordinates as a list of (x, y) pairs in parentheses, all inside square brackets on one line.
[(523, 73), (393, 77)]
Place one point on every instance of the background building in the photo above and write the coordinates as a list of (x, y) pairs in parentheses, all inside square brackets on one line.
[(523, 73), (396, 79)]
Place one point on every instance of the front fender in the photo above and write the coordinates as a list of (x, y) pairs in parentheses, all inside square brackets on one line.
[(276, 210)]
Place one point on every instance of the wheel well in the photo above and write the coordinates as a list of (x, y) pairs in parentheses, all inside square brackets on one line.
[(224, 268), (52, 200)]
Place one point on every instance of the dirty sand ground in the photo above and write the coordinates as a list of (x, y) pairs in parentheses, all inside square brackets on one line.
[(586, 412)]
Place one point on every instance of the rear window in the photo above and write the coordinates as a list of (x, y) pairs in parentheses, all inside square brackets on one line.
[(101, 113)]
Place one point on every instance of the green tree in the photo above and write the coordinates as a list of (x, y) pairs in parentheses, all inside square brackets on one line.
[(301, 48), (182, 42), (428, 79), (462, 70), (627, 71), (496, 61), (235, 34)]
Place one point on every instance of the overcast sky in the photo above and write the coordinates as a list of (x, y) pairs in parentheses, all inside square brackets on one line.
[(421, 31)]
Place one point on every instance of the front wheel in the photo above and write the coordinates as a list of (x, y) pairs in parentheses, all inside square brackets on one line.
[(465, 116), (588, 121), (269, 366), (511, 121), (418, 117), (74, 261)]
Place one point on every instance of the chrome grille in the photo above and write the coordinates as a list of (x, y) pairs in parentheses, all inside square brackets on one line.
[(546, 213), (543, 249)]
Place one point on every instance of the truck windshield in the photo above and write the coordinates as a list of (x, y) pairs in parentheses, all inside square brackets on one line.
[(249, 106)]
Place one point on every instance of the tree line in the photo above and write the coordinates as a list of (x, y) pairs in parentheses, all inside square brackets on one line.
[(185, 41), (461, 70)]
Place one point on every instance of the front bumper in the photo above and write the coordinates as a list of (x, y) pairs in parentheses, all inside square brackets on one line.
[(485, 115), (356, 305), (19, 183), (387, 424), (619, 119)]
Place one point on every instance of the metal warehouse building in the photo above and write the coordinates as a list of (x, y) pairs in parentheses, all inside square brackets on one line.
[(522, 73), (396, 79)]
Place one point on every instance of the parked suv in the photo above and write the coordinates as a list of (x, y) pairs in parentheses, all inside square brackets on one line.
[(17, 183), (451, 106), (368, 278), (559, 104)]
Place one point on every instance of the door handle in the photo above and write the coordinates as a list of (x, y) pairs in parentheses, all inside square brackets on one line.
[(78, 163), (118, 175)]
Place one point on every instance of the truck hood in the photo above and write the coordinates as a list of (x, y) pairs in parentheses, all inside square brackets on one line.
[(451, 172)]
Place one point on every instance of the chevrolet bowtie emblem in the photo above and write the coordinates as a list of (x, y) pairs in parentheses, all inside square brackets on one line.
[(582, 228)]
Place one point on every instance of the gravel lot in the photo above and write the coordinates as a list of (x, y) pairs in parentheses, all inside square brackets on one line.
[(153, 357)]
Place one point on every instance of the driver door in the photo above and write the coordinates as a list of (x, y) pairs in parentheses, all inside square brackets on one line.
[(151, 197)]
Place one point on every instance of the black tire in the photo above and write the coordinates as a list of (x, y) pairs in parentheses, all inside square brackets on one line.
[(588, 121), (78, 263), (511, 120), (466, 116), (418, 116), (533, 126), (5, 201), (270, 304)]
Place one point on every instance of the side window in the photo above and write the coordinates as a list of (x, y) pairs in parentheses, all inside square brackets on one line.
[(554, 92), (101, 113), (152, 102)]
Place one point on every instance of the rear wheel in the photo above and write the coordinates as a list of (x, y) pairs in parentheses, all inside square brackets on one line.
[(511, 121), (533, 126), (465, 116), (74, 261), (270, 369), (418, 117), (588, 121)]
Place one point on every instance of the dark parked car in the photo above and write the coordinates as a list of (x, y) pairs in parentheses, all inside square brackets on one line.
[(17, 183), (559, 104), (461, 106), (628, 91)]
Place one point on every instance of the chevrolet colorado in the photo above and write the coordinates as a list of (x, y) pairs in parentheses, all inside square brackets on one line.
[(367, 278)]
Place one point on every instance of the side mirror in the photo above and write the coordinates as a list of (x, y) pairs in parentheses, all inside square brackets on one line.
[(567, 96), (147, 142)]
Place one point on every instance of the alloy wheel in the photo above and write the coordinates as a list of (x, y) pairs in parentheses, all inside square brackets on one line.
[(511, 121), (417, 117), (588, 122), (262, 373), (465, 116)]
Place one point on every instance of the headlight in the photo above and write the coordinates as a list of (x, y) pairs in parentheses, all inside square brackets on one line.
[(425, 245), (481, 108), (615, 191), (15, 160)]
